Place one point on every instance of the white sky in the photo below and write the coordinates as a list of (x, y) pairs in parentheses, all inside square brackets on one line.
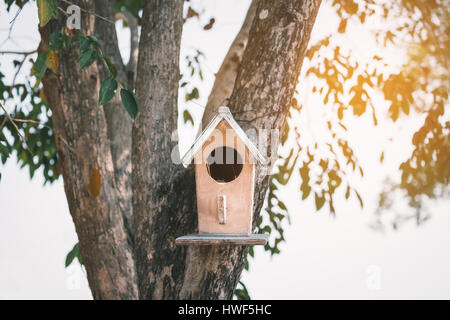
[(324, 257)]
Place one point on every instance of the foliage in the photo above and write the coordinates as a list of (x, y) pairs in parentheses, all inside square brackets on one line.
[(346, 86), (35, 124), (193, 73), (47, 9), (129, 101), (241, 292), (74, 253)]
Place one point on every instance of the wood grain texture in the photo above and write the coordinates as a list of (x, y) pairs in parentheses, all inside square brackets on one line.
[(222, 239), (239, 192)]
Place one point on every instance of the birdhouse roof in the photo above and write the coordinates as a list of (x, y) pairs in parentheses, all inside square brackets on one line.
[(224, 114)]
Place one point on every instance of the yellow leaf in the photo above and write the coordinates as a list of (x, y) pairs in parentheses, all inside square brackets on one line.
[(42, 95), (36, 85), (46, 10), (52, 61), (95, 183)]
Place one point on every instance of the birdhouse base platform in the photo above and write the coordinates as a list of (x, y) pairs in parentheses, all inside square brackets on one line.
[(204, 239)]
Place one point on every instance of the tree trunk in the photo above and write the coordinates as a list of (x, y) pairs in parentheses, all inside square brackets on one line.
[(84, 148), (164, 192), (122, 256)]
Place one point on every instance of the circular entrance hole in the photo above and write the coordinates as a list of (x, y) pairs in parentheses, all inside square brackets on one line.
[(224, 164)]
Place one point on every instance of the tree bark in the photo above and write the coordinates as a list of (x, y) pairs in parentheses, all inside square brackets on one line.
[(128, 247), (83, 147), (118, 121), (163, 192)]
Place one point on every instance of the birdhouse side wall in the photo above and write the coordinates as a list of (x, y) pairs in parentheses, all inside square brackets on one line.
[(238, 193)]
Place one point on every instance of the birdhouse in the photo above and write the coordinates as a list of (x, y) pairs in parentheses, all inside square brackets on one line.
[(224, 160)]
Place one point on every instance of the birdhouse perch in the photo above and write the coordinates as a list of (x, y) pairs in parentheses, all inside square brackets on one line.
[(224, 160)]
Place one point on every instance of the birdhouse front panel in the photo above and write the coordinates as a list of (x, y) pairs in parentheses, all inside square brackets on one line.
[(224, 172)]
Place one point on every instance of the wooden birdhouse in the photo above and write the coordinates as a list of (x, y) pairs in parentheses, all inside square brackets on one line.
[(224, 160)]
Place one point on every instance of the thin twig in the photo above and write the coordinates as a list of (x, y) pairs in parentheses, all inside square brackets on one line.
[(26, 53), (11, 27), (63, 12), (31, 121), (89, 12), (15, 17), (48, 127), (198, 104), (66, 143), (20, 67), (15, 126)]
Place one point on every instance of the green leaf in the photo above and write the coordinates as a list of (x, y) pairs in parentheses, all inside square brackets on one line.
[(83, 44), (69, 258), (87, 58), (129, 102), (74, 253), (4, 152), (93, 40), (55, 41), (107, 91), (66, 40), (187, 117), (46, 11), (40, 65), (193, 95), (242, 293)]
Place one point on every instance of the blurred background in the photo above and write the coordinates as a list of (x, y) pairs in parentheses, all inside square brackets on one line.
[(373, 76)]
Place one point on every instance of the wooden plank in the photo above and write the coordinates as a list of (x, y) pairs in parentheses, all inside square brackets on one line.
[(222, 239)]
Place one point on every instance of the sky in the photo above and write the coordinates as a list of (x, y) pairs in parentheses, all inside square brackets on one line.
[(324, 257)]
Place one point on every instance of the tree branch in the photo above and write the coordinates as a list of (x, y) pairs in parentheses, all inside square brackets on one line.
[(161, 198), (15, 127), (226, 76), (264, 85), (89, 12), (98, 215), (131, 66), (26, 53), (118, 121)]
